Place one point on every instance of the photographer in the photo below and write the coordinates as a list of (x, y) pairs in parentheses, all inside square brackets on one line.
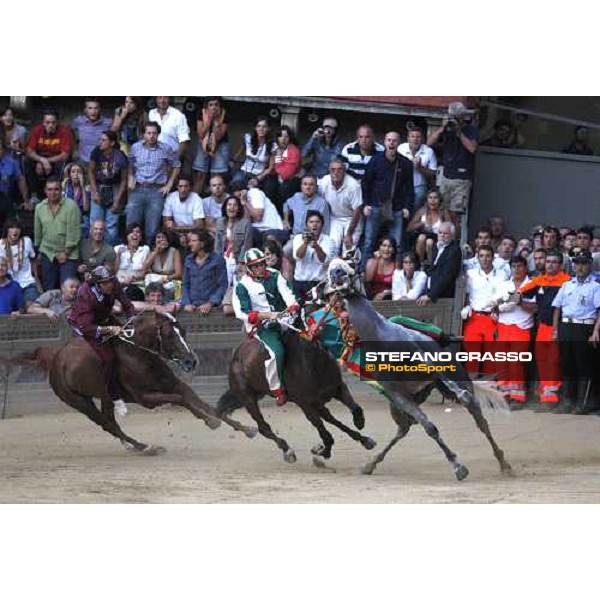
[(458, 139), (323, 146), (313, 250)]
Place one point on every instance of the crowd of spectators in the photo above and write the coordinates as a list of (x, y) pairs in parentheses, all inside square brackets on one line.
[(139, 193)]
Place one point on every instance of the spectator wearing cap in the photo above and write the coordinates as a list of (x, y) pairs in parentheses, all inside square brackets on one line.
[(458, 139), (424, 163), (576, 309), (544, 289), (153, 169), (514, 323), (323, 146), (357, 155), (579, 145), (388, 185)]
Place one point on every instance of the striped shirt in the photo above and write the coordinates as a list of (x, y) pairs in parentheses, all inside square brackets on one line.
[(56, 232), (151, 164), (355, 161)]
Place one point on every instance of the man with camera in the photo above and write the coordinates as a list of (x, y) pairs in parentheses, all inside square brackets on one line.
[(323, 146), (458, 138), (313, 251)]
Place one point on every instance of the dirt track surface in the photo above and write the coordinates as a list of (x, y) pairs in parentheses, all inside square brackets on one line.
[(66, 458)]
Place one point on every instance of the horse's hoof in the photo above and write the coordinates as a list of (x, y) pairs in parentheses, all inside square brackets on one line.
[(507, 470), (368, 469), (369, 443), (150, 450), (318, 450), (461, 472), (212, 423), (251, 432), (289, 457), (321, 464)]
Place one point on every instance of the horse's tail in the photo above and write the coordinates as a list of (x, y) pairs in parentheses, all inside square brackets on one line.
[(40, 358), (227, 403), (489, 397)]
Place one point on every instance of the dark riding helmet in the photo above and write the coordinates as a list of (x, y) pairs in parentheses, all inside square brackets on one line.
[(102, 274)]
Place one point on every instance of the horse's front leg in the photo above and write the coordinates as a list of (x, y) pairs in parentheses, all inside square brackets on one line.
[(345, 397), (265, 430)]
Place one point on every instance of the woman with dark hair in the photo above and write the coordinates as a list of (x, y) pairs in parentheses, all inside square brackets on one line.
[(288, 161), (108, 184), (380, 271), (129, 265), (409, 283), (15, 135), (234, 235), (129, 122), (75, 186), (257, 168), (213, 152), (164, 265), (22, 263), (276, 259)]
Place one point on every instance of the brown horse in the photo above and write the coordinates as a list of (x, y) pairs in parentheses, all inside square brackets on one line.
[(312, 378), (148, 341)]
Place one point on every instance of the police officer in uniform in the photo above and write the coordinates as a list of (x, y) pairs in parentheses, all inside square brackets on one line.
[(576, 309)]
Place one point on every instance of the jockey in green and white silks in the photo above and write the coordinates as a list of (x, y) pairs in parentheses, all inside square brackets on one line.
[(260, 296)]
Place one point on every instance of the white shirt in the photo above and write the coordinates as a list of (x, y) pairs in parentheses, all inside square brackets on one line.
[(212, 209), (484, 288), (401, 290), (499, 264), (173, 127), (129, 264), (255, 164), (342, 202), (183, 213), (428, 161), (257, 199), (513, 314), (22, 276), (310, 268)]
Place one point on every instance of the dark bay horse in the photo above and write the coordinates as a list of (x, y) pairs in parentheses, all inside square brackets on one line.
[(407, 395), (312, 378), (76, 375)]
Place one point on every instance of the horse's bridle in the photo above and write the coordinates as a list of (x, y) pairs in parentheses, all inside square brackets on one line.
[(128, 331)]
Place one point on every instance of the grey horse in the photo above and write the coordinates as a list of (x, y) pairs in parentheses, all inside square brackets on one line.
[(406, 395)]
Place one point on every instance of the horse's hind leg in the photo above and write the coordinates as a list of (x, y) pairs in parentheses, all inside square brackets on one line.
[(345, 397), (265, 430), (406, 405), (366, 442), (105, 419), (474, 409), (404, 424)]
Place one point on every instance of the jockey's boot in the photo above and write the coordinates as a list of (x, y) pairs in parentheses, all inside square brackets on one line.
[(280, 397)]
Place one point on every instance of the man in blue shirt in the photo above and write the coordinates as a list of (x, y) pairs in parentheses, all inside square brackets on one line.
[(88, 128), (204, 274), (12, 301), (576, 309)]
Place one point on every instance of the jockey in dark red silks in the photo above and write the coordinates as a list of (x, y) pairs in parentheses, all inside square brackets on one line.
[(92, 318)]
